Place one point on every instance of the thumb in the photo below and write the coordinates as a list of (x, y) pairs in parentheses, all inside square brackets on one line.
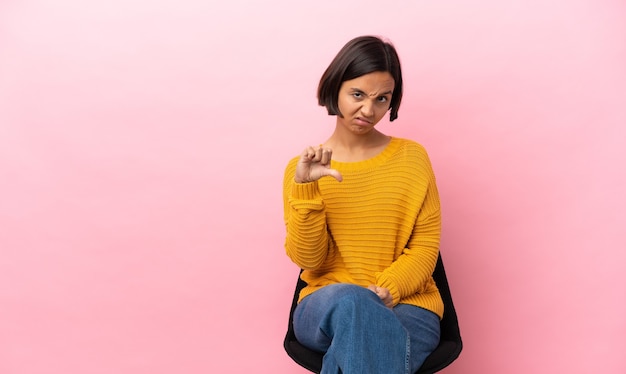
[(333, 173)]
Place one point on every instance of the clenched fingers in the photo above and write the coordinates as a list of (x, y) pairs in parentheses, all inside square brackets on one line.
[(315, 164), (383, 294), (325, 154)]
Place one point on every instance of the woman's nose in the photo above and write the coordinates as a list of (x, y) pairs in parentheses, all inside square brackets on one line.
[(367, 109)]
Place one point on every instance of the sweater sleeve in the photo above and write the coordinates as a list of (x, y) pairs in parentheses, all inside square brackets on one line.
[(412, 271), (307, 237)]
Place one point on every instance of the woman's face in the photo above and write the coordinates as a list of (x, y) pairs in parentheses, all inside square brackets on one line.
[(363, 101)]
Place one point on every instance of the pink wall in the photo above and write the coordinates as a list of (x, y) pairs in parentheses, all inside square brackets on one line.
[(142, 146)]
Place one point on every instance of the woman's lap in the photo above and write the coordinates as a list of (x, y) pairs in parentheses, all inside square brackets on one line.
[(321, 314)]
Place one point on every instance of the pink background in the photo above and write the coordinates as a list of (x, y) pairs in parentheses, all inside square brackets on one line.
[(142, 145)]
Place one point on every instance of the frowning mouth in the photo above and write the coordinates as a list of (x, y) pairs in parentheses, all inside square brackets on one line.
[(363, 121)]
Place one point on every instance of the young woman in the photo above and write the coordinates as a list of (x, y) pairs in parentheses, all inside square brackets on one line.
[(363, 220)]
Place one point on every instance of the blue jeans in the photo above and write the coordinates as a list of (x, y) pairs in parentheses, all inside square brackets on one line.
[(360, 335)]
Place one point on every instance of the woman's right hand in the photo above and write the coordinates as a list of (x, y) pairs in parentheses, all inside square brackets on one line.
[(315, 164)]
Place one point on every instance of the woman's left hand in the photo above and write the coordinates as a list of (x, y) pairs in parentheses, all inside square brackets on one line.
[(383, 293)]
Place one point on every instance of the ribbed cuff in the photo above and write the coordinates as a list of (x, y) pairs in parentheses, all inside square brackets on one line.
[(305, 191), (385, 281)]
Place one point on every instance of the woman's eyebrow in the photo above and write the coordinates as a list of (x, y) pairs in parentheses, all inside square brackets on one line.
[(382, 94)]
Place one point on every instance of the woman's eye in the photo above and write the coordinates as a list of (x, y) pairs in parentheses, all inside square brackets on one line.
[(382, 99), (357, 95)]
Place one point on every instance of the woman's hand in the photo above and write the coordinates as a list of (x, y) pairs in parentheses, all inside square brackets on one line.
[(315, 164), (383, 293)]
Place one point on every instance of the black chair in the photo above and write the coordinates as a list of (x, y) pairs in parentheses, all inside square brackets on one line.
[(447, 351)]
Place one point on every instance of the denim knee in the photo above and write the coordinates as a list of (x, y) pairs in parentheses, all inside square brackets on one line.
[(349, 293), (340, 301)]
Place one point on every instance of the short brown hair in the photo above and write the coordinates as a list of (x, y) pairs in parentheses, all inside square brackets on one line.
[(360, 56)]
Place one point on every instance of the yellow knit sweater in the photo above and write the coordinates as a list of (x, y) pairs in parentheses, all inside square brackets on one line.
[(381, 225)]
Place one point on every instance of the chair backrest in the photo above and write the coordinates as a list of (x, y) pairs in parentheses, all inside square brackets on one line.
[(303, 356), (450, 343), (449, 348)]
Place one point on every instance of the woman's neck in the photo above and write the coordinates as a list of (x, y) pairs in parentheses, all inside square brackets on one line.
[(353, 148)]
